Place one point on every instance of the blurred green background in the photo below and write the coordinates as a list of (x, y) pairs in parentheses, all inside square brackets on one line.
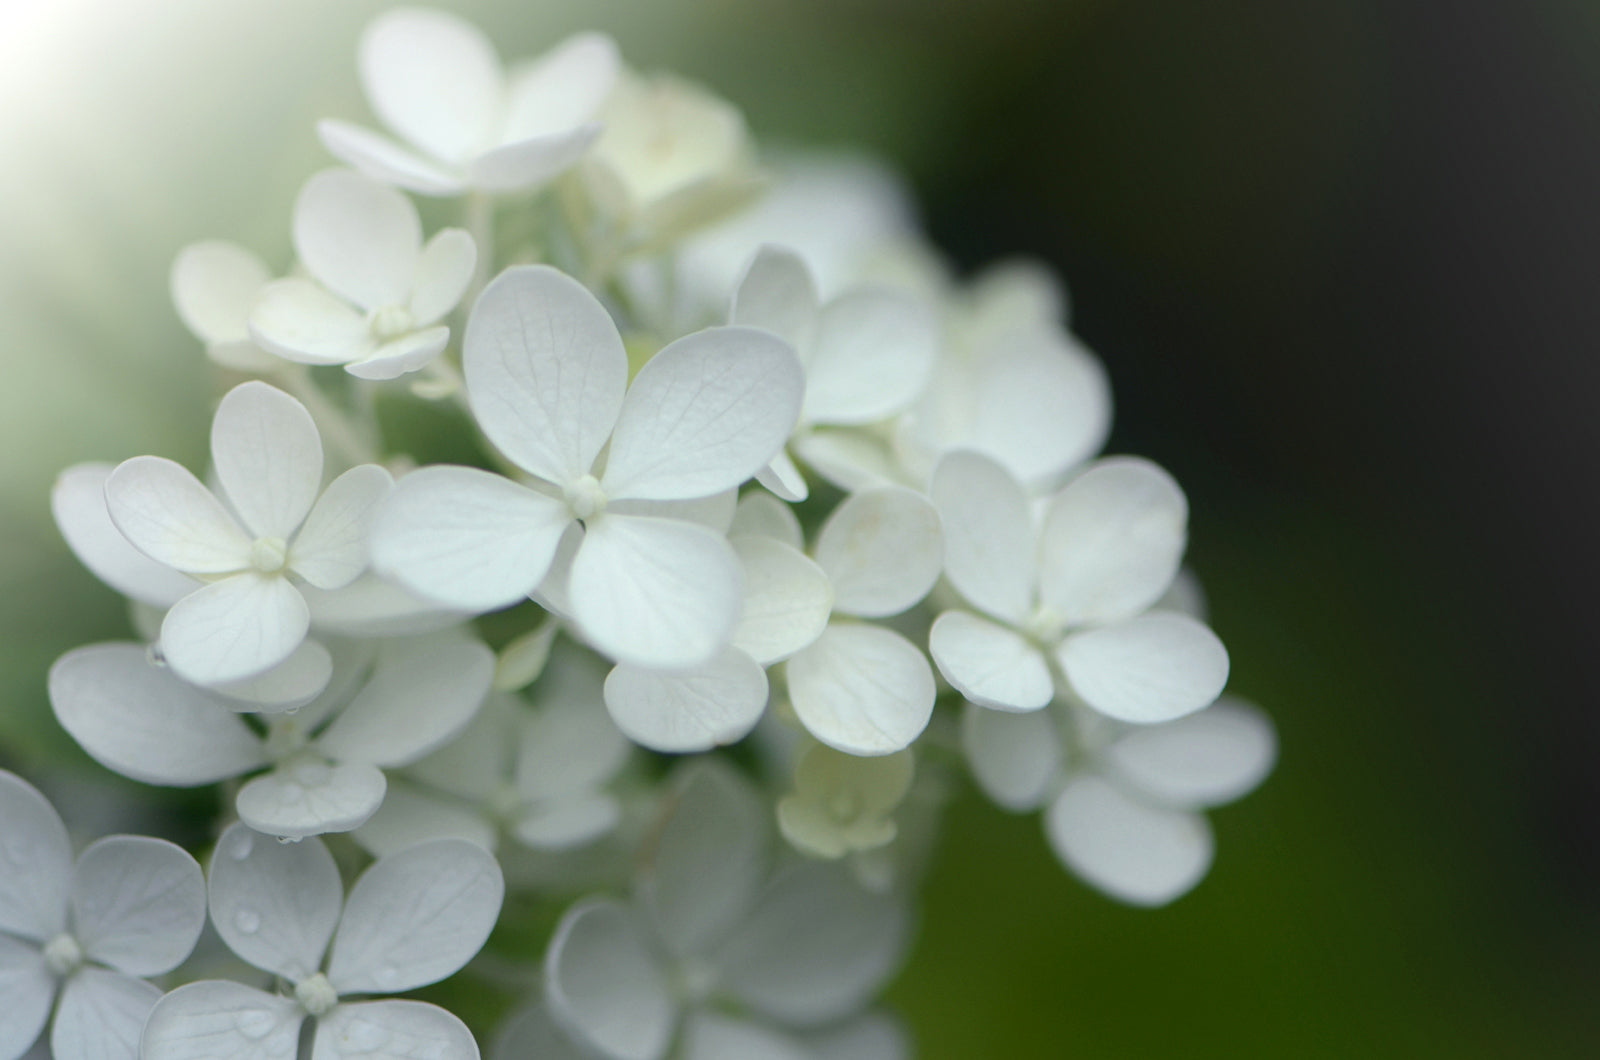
[(1340, 261)]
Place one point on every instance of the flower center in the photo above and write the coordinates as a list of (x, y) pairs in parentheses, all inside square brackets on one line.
[(391, 321), (62, 955), (844, 805), (269, 555), (316, 995), (585, 497), (1045, 626)]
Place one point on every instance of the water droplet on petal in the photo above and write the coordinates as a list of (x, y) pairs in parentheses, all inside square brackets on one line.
[(255, 1025), (247, 921), (155, 656), (242, 846), (287, 839)]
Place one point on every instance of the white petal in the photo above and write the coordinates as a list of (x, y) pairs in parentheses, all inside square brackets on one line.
[(655, 592), (169, 516), (465, 537), (532, 162), (862, 689), (563, 88), (989, 664), (38, 856), (766, 516), (311, 798), (330, 551), (274, 904), (851, 459), (873, 353), (382, 159), (298, 320), (288, 686), (359, 238), (29, 990), (213, 285), (709, 860), (477, 762), (603, 986), (143, 722), (704, 415), (78, 502), (568, 744), (101, 1016), (1153, 668), (408, 353), (989, 540), (392, 1030), (372, 607), (778, 295), (416, 917), (213, 1018), (411, 815), (709, 1036), (423, 691), (268, 457), (1206, 759), (783, 478), (715, 511), (1015, 758), (1135, 853), (716, 703), (443, 274), (815, 948), (138, 904), (233, 629), (545, 371), (562, 824), (523, 658), (434, 79), (1042, 407), (1112, 541), (883, 550), (787, 599), (534, 1033), (871, 1036)]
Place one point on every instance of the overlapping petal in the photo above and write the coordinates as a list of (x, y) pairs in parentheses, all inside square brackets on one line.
[(545, 371), (311, 797), (274, 904), (989, 542), (138, 904), (778, 295), (392, 1030), (787, 599), (415, 917), (235, 628), (862, 689), (704, 415), (78, 502), (330, 551), (423, 691), (873, 353), (33, 901), (716, 703), (988, 663), (603, 986), (300, 321), (1153, 668), (268, 458), (433, 78), (1143, 855), (169, 516), (882, 548), (213, 1018), (1015, 758), (466, 538), (1206, 759), (28, 988), (359, 238)]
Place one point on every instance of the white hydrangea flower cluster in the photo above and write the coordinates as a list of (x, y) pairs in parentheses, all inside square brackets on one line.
[(749, 469)]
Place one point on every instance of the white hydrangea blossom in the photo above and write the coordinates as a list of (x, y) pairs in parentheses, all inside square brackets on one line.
[(411, 919), (84, 937), (743, 478)]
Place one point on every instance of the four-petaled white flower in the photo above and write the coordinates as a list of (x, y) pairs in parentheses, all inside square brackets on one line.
[(376, 293), (131, 907), (435, 80), (867, 353), (214, 285), (1123, 802), (325, 761), (411, 919), (1077, 590), (274, 532), (547, 378), (800, 948)]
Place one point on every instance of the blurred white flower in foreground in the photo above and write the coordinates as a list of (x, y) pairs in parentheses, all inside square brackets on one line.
[(797, 949), (411, 919), (132, 907)]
